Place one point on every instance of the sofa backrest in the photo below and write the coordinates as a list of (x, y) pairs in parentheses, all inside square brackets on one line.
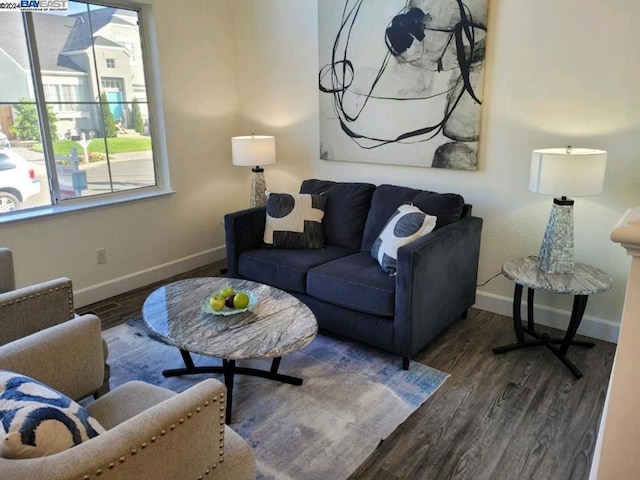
[(448, 207), (346, 211), (356, 213)]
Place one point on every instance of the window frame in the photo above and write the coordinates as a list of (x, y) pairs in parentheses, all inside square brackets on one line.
[(151, 69)]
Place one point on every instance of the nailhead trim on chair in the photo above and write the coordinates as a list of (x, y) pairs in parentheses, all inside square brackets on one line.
[(67, 286), (163, 432)]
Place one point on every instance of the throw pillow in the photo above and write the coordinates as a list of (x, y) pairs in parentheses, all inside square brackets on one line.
[(406, 225), (36, 420), (294, 220)]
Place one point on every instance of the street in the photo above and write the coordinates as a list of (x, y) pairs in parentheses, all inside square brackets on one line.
[(126, 171)]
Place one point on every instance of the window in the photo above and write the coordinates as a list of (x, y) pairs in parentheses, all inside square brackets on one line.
[(85, 136)]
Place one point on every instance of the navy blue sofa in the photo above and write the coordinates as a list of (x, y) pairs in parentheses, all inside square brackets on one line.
[(345, 287)]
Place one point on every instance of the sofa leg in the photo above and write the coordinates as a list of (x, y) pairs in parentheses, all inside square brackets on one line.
[(405, 363), (464, 314)]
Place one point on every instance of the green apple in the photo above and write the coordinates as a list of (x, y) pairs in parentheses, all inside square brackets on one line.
[(241, 300), (217, 303), (226, 292)]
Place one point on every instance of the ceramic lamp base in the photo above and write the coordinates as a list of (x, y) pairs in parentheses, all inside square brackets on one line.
[(556, 252), (258, 188)]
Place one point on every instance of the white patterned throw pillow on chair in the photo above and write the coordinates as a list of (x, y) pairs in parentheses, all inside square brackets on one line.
[(36, 420)]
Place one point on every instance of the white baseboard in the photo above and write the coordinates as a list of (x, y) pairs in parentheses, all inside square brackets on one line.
[(551, 317), (101, 291)]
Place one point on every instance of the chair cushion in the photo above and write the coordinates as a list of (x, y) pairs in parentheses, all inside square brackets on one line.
[(36, 420), (356, 282), (407, 224), (294, 220), (347, 207), (286, 270), (447, 207)]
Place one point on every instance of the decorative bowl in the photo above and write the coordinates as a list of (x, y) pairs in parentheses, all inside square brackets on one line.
[(205, 305)]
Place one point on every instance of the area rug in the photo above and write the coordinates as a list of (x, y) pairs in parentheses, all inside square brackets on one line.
[(353, 397)]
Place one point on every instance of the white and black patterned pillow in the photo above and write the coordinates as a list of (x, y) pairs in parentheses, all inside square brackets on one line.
[(405, 225), (294, 220), (36, 420)]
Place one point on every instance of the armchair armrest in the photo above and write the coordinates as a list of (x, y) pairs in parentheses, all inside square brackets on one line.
[(30, 309), (244, 230), (436, 282), (7, 273), (68, 357), (180, 437)]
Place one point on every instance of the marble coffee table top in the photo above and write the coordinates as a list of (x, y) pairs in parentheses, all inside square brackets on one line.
[(278, 324), (585, 280)]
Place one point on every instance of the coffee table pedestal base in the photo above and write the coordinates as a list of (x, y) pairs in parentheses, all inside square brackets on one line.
[(229, 370)]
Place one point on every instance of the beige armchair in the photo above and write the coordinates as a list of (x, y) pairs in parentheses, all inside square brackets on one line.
[(33, 308), (152, 433), (27, 310)]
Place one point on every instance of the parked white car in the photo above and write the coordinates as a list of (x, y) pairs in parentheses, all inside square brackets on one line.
[(17, 180), (4, 141)]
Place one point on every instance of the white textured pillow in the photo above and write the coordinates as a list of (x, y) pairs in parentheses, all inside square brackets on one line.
[(36, 420), (294, 220), (405, 225)]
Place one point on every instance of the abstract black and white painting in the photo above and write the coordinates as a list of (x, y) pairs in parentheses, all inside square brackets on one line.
[(401, 81)]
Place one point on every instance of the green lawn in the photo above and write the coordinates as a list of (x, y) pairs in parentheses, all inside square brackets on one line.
[(97, 145)]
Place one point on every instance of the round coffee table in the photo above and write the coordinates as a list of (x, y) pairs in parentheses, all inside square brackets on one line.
[(277, 325)]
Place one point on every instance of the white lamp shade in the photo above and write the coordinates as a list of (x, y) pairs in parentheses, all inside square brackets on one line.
[(253, 150), (567, 171)]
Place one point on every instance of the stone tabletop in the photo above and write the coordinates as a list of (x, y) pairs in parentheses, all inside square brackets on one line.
[(278, 324), (585, 280)]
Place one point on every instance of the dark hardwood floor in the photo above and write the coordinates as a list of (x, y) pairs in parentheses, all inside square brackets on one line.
[(500, 417)]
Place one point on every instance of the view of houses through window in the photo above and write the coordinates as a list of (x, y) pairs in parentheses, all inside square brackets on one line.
[(74, 116)]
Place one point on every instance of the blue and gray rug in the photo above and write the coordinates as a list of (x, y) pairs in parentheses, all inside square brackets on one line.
[(353, 396)]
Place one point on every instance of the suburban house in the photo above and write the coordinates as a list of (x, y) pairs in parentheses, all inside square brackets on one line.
[(557, 74), (67, 56)]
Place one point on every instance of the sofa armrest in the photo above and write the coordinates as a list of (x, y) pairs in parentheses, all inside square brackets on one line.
[(436, 282), (180, 437), (68, 357), (244, 230), (30, 309)]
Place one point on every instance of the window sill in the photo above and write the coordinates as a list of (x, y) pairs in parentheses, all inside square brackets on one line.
[(82, 204)]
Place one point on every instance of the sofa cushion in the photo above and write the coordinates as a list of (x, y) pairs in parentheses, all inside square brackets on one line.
[(346, 212), (36, 420), (356, 282), (447, 207), (294, 220), (286, 269), (407, 224)]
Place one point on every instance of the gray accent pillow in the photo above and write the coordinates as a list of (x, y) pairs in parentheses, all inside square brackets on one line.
[(407, 224), (294, 220)]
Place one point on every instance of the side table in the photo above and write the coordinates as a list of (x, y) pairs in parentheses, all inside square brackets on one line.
[(584, 281)]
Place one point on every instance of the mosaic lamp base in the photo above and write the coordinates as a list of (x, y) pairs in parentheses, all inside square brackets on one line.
[(556, 252), (258, 188)]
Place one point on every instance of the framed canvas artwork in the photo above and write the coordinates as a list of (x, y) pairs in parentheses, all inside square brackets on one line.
[(400, 82)]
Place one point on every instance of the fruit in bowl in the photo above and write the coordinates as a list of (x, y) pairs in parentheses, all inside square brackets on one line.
[(217, 303), (228, 301), (240, 300)]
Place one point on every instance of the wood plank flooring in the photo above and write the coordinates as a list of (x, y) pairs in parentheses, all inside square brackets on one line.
[(516, 416)]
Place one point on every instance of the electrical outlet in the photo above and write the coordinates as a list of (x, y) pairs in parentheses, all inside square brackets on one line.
[(101, 255)]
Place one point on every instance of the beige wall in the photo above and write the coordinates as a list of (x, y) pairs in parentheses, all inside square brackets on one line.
[(557, 73)]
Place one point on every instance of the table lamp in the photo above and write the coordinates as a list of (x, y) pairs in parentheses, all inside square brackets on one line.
[(254, 151), (564, 171)]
